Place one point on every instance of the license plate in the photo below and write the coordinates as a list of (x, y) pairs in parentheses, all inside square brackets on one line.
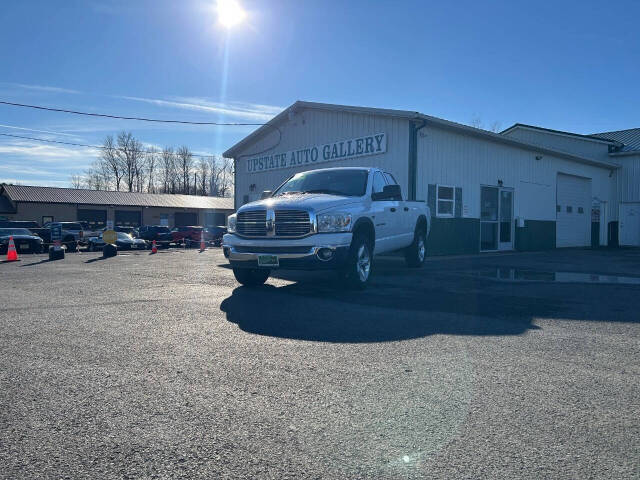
[(268, 261), (24, 246)]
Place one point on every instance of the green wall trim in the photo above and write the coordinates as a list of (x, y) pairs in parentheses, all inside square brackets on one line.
[(536, 235), (454, 236)]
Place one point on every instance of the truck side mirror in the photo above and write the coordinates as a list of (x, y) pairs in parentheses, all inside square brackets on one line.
[(265, 194), (389, 192)]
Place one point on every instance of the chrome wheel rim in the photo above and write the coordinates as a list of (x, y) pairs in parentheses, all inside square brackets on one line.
[(363, 263), (422, 250)]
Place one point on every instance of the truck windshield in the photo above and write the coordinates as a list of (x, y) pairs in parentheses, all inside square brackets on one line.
[(350, 183)]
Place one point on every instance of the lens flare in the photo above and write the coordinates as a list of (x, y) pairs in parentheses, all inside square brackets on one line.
[(230, 13)]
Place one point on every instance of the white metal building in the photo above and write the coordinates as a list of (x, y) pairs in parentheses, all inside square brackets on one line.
[(527, 188)]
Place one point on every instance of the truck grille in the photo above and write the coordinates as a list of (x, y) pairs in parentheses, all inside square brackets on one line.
[(285, 223), (292, 223), (252, 223)]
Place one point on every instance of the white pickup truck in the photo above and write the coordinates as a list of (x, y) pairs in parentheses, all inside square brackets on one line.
[(334, 218)]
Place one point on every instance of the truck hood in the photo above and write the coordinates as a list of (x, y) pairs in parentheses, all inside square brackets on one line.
[(317, 202)]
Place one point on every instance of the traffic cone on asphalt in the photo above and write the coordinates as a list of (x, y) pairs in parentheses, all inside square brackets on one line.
[(203, 247), (12, 254), (154, 247)]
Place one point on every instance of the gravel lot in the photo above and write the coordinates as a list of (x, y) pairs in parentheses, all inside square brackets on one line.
[(158, 366)]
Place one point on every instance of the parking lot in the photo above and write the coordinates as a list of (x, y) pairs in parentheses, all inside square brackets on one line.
[(155, 366)]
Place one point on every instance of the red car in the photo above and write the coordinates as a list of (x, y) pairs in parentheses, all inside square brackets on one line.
[(186, 235)]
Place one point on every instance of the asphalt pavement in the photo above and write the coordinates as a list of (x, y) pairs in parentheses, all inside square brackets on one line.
[(160, 366)]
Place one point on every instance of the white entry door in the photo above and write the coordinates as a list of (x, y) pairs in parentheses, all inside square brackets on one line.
[(573, 211), (629, 234)]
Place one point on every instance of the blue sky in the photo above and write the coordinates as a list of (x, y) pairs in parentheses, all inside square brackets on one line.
[(566, 65)]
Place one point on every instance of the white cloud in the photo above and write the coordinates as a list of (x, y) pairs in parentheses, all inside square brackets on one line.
[(35, 152), (35, 130), (45, 88), (254, 112)]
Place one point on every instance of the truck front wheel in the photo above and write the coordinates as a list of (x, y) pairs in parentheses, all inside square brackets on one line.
[(251, 277), (358, 269), (415, 253)]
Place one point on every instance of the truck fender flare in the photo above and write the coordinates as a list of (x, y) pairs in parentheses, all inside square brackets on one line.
[(364, 225)]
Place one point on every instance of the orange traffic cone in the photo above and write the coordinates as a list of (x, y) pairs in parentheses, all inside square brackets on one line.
[(154, 248), (203, 247), (12, 254)]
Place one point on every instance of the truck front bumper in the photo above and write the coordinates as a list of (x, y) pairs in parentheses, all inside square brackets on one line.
[(316, 252)]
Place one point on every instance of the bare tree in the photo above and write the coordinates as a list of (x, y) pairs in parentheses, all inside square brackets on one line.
[(131, 158), (203, 172), (476, 122), (221, 176), (495, 127), (185, 164), (151, 163), (168, 170), (76, 181), (111, 161)]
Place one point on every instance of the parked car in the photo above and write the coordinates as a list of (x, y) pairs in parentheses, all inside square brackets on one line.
[(72, 234), (158, 233), (334, 218), (190, 236), (213, 235), (124, 241), (24, 240), (122, 229), (89, 231)]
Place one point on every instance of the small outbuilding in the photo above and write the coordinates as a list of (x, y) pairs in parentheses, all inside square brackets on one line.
[(526, 188), (96, 207)]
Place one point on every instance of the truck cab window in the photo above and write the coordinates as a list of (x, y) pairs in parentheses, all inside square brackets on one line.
[(378, 183)]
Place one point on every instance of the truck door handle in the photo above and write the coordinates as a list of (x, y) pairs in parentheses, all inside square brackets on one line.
[(406, 209), (393, 209)]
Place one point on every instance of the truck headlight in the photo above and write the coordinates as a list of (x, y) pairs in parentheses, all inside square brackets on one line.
[(231, 223), (334, 222)]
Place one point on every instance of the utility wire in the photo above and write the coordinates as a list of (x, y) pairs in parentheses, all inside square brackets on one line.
[(159, 152), (119, 117)]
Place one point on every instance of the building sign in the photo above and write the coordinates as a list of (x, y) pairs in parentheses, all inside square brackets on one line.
[(341, 150)]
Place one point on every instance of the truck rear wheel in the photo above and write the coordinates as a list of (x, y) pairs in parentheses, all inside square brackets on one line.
[(251, 277), (358, 269), (415, 253)]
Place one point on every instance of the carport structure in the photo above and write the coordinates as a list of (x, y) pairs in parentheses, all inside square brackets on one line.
[(96, 207)]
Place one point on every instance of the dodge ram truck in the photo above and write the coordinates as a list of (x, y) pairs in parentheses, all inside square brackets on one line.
[(334, 218)]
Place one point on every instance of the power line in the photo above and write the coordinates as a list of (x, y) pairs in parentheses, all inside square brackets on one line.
[(119, 117), (159, 152)]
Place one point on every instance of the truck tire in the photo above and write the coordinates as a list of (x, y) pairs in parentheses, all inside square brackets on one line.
[(251, 277), (359, 263), (415, 253)]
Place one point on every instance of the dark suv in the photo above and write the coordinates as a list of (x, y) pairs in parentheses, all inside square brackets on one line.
[(158, 233)]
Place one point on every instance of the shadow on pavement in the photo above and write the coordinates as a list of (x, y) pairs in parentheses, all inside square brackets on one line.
[(354, 317)]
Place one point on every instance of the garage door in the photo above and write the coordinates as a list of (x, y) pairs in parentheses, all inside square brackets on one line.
[(96, 219), (125, 218), (573, 211), (185, 219), (630, 224)]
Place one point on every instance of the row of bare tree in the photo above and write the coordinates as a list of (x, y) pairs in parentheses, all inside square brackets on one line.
[(124, 165)]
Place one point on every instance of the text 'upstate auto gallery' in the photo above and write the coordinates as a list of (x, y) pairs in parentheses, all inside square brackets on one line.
[(528, 188)]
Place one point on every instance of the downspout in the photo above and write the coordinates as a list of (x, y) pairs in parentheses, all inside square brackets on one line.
[(413, 157)]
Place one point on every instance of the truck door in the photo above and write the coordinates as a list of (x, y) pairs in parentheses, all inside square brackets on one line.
[(400, 219), (383, 216)]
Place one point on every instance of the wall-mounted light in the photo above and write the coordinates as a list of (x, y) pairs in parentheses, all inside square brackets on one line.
[(538, 157), (499, 183), (252, 187)]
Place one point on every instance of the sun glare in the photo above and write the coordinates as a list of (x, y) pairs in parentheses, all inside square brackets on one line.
[(230, 13)]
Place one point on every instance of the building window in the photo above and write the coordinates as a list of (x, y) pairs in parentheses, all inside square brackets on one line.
[(446, 198), (47, 219), (580, 210), (569, 209)]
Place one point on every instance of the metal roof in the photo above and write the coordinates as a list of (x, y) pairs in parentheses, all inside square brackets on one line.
[(596, 137), (23, 193), (630, 138), (411, 115)]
